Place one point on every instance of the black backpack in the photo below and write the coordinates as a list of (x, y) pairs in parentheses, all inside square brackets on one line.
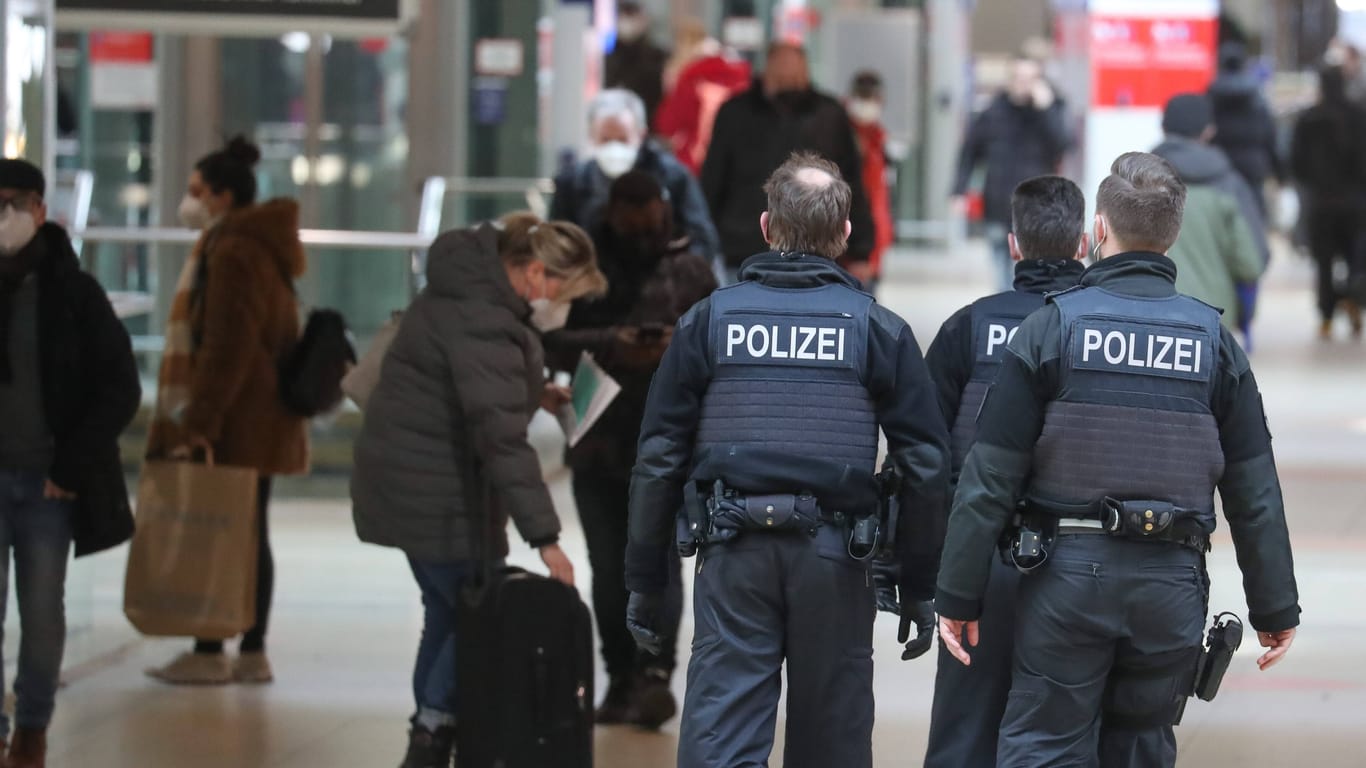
[(312, 370)]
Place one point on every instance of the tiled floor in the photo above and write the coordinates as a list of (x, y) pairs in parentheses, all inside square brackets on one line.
[(347, 615)]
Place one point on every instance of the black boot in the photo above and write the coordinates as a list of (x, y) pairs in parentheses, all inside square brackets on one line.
[(429, 749), (655, 703), (616, 706)]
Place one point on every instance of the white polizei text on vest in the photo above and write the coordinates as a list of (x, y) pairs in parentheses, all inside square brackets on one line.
[(1163, 353), (803, 342), (998, 335)]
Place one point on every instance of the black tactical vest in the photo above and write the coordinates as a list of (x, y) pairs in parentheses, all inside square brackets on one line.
[(1132, 416), (994, 322), (789, 369)]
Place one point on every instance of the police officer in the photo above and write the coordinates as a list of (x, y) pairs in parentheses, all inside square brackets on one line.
[(1120, 407), (762, 423), (1047, 243)]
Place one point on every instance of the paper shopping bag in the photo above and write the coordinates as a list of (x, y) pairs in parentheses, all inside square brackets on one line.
[(192, 566)]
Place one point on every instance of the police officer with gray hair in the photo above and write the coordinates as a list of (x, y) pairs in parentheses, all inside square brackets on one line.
[(1119, 409), (759, 447)]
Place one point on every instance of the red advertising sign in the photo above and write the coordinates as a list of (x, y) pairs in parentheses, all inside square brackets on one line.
[(120, 47), (1143, 62)]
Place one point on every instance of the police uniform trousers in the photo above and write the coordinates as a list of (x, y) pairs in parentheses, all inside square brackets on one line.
[(1107, 637), (763, 598), (965, 721)]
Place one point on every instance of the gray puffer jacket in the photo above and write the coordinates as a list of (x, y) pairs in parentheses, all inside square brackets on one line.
[(444, 443)]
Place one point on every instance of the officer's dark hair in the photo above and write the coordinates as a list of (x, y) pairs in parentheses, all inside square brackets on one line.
[(1143, 199), (808, 206), (232, 168), (1048, 217)]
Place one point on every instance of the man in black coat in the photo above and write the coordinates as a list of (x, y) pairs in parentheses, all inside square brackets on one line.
[(755, 133), (1244, 127), (1022, 134), (636, 63), (68, 387)]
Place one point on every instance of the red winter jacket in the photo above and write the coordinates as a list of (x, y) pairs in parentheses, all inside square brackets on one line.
[(686, 115)]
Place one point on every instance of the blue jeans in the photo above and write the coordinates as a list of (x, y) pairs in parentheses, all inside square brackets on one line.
[(38, 531), (1000, 255), (434, 684)]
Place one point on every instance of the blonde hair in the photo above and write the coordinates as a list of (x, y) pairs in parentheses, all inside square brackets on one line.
[(566, 251)]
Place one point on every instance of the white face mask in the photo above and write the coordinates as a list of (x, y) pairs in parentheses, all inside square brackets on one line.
[(549, 315), (865, 111), (615, 158), (17, 229), (193, 213)]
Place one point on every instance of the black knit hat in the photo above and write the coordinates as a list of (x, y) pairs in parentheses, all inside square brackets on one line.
[(21, 175), (1188, 115)]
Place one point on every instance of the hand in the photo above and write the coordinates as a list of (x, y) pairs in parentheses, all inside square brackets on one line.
[(1043, 95), (1278, 642), (922, 613), (54, 492), (642, 619), (193, 443), (555, 559), (958, 207), (951, 631), (555, 397)]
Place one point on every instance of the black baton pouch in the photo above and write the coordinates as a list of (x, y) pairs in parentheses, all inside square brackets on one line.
[(1138, 519), (1224, 638)]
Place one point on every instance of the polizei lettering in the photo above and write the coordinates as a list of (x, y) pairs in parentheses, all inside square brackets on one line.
[(1160, 352), (772, 342), (999, 335)]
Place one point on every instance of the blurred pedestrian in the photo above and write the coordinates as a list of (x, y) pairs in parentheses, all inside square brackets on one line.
[(1022, 134), (618, 129), (1328, 160), (1223, 244), (755, 132), (233, 317), (697, 83), (68, 387), (443, 453), (865, 106), (1244, 127), (635, 62), (653, 279)]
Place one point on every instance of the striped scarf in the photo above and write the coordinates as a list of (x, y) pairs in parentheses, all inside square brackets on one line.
[(173, 381)]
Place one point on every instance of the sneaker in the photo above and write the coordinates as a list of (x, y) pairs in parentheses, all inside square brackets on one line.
[(616, 705), (195, 669), (1326, 330), (1354, 316), (655, 703), (429, 749), (252, 667)]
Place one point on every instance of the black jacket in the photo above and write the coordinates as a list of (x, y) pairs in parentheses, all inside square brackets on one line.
[(752, 136), (1016, 143), (1328, 157), (1245, 129), (91, 392), (581, 196), (902, 394), (638, 67), (997, 469)]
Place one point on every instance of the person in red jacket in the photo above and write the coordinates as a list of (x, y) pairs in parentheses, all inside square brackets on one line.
[(686, 115), (865, 112)]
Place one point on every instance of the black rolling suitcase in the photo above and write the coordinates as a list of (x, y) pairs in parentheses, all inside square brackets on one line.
[(524, 664)]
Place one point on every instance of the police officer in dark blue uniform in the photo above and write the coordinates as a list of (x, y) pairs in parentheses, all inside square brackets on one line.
[(1047, 242), (1120, 407), (762, 426)]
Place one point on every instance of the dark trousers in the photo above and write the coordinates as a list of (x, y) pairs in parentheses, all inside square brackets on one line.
[(969, 702), (762, 599), (1337, 236), (255, 638), (1108, 627), (602, 500)]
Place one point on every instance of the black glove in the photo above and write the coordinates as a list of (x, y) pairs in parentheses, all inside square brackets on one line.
[(884, 586), (642, 619), (922, 613)]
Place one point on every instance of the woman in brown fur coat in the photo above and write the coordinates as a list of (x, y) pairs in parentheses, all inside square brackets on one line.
[(234, 315)]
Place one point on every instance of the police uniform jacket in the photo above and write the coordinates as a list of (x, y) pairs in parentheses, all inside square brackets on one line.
[(778, 385), (1030, 385)]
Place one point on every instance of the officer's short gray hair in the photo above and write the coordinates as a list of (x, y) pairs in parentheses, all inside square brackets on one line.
[(1144, 200), (617, 101), (808, 206)]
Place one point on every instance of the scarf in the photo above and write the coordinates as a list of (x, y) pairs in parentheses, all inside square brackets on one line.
[(14, 270)]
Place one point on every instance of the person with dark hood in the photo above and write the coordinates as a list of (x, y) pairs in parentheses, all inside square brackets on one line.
[(1222, 249), (635, 62), (1328, 160), (1244, 127), (68, 387), (653, 280)]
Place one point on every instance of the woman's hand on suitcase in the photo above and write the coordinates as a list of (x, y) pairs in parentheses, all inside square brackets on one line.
[(557, 561)]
